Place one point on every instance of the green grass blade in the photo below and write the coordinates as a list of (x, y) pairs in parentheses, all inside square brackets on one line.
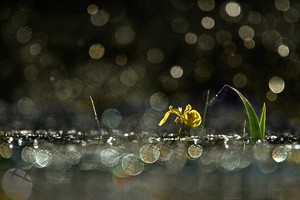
[(252, 117), (262, 121)]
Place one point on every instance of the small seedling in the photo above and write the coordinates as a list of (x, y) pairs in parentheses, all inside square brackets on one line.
[(257, 127)]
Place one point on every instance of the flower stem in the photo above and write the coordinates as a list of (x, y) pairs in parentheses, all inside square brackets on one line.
[(181, 130)]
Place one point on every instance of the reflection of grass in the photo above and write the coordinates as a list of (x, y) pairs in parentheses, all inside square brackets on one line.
[(257, 128)]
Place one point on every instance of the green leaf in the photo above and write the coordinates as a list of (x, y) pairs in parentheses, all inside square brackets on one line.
[(262, 121), (255, 130)]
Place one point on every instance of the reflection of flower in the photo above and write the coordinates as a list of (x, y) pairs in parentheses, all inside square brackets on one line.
[(189, 117)]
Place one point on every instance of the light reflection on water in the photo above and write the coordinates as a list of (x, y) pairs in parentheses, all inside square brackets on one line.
[(147, 167)]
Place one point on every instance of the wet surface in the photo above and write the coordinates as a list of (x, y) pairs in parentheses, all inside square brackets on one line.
[(147, 167)]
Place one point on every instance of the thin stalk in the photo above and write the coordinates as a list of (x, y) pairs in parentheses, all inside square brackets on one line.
[(202, 130), (205, 108), (95, 114)]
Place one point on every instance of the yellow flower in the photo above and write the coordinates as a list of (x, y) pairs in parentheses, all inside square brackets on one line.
[(189, 117)]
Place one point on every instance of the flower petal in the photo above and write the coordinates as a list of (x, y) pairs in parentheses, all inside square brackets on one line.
[(164, 119), (192, 118)]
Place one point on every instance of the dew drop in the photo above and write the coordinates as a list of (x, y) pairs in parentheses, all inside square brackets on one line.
[(279, 154)]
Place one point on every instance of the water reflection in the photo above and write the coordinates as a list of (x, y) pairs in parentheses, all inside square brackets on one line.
[(132, 160)]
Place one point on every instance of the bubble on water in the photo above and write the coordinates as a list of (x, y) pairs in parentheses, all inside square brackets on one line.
[(267, 166), (165, 152), (43, 158), (261, 152), (279, 154), (16, 184), (195, 151), (149, 153), (5, 150), (110, 157), (132, 165), (229, 161), (288, 147), (28, 154), (72, 155)]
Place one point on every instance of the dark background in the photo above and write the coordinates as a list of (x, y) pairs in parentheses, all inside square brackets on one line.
[(63, 75)]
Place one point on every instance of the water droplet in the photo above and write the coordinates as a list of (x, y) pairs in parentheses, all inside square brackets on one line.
[(195, 151), (131, 165), (279, 154), (149, 153)]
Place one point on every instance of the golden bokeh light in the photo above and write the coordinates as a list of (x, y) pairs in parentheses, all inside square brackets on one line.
[(234, 60), (96, 51), (282, 5), (233, 9), (191, 38), (121, 59), (206, 42), (35, 49), (291, 15), (206, 5), (92, 9), (24, 34), (180, 25), (100, 18), (159, 101), (239, 80), (249, 43), (125, 35), (31, 73), (128, 77), (208, 22), (246, 32), (203, 70), (254, 17), (176, 71), (283, 50), (155, 56), (223, 36), (276, 84), (271, 96), (25, 105)]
